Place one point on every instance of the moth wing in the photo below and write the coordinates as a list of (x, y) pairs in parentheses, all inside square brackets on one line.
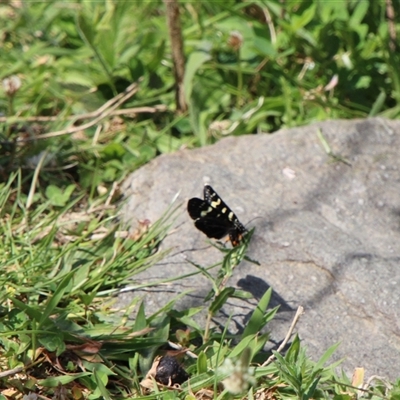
[(209, 194), (212, 198), (196, 206), (214, 218), (212, 228)]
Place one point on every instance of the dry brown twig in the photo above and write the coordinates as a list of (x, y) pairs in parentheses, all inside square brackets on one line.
[(391, 25), (102, 112), (107, 109), (299, 312), (4, 374), (178, 57), (93, 114)]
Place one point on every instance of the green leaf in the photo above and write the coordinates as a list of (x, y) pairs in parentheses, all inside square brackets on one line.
[(324, 358), (109, 174), (221, 299), (264, 47), (201, 363), (30, 311), (260, 343), (294, 349), (378, 104), (358, 14), (56, 297), (106, 43), (185, 316), (82, 274), (85, 28), (311, 389), (300, 21), (53, 341), (288, 371), (77, 78), (256, 321), (243, 344), (157, 57), (87, 299), (113, 150), (204, 380), (63, 380), (140, 320), (57, 196), (101, 380), (195, 61), (168, 143)]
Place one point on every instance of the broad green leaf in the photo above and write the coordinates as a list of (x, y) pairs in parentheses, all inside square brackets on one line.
[(271, 369), (53, 342), (203, 380), (221, 299), (63, 379), (56, 297), (378, 104), (293, 352), (324, 358), (195, 61), (243, 344), (358, 14), (158, 55), (85, 28), (82, 275), (260, 343), (140, 320), (201, 363), (256, 321), (113, 151), (185, 316), (264, 47), (168, 143), (101, 380), (57, 196), (77, 78), (311, 389), (300, 21), (32, 312)]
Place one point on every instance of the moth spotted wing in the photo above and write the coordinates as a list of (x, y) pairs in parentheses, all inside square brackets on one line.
[(214, 218)]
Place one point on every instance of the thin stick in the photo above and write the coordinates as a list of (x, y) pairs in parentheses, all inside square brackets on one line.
[(378, 378), (391, 25), (11, 372), (270, 24), (178, 57), (299, 311), (93, 114), (35, 178), (177, 346), (103, 112)]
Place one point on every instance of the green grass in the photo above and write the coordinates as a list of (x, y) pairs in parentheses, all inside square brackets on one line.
[(250, 68), (61, 333), (73, 57), (59, 329)]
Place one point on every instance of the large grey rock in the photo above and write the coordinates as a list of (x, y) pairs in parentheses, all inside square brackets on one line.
[(327, 233)]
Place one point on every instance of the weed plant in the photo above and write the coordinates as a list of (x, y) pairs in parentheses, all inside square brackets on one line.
[(250, 68), (62, 337), (68, 134)]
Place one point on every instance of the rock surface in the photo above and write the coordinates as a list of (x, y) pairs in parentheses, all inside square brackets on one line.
[(327, 233)]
